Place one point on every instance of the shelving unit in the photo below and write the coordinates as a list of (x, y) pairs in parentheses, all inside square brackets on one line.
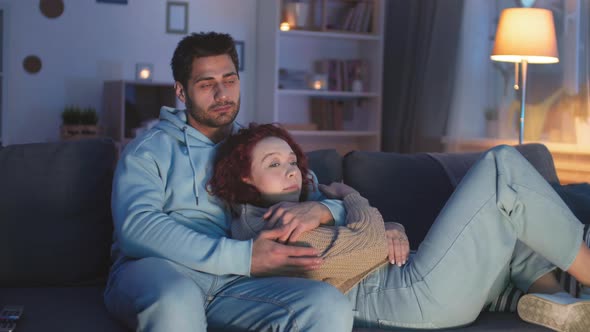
[(299, 50), (129, 105)]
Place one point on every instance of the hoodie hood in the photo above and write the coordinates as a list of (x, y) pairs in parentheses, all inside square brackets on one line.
[(174, 123)]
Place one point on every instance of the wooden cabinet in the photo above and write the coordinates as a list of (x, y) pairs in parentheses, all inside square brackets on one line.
[(329, 44), (129, 106)]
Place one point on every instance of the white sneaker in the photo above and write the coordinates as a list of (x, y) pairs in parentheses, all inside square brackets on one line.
[(559, 312)]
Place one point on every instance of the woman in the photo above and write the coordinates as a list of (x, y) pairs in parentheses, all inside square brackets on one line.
[(502, 222)]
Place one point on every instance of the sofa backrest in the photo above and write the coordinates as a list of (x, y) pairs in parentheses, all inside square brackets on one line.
[(413, 188), (456, 165), (407, 188), (55, 216), (326, 164)]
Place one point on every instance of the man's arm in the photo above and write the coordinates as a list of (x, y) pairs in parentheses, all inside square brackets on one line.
[(293, 219), (142, 228), (335, 206)]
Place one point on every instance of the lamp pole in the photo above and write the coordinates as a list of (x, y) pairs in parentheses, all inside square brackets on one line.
[(524, 64)]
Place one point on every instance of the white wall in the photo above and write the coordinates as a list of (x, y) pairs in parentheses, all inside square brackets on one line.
[(92, 42)]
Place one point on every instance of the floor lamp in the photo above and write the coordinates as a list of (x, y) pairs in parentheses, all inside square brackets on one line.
[(525, 35)]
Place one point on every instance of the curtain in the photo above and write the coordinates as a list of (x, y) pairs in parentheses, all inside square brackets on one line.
[(421, 47)]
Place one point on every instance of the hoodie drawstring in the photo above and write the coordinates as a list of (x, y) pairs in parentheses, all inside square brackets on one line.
[(190, 159)]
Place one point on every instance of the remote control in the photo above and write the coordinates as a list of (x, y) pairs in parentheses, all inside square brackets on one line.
[(11, 312), (7, 326)]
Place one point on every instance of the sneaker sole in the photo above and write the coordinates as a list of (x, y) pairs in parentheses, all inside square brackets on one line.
[(573, 317)]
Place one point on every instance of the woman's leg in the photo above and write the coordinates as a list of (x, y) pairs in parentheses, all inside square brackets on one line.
[(558, 310), (547, 284), (580, 269), (501, 200), (531, 272)]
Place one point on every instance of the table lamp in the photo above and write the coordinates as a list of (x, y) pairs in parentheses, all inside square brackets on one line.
[(525, 35)]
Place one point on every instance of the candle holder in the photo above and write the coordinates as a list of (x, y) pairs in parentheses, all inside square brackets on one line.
[(319, 82)]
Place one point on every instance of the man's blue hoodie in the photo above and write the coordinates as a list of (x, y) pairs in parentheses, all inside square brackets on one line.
[(161, 207)]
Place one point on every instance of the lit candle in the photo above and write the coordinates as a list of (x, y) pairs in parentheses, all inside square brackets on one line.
[(285, 26), (144, 73), (318, 82)]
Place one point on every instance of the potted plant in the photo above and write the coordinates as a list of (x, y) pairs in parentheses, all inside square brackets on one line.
[(70, 127), (89, 122), (78, 123)]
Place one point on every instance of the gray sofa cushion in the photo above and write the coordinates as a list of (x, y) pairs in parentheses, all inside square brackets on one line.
[(61, 309), (577, 198), (82, 309), (55, 212), (407, 188), (486, 322), (394, 183), (326, 164)]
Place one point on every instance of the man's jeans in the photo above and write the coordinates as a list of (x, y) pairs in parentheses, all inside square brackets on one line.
[(154, 294)]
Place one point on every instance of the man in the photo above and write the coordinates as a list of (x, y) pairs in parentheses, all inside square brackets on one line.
[(175, 268)]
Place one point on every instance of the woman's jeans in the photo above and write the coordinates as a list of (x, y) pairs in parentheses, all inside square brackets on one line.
[(503, 222)]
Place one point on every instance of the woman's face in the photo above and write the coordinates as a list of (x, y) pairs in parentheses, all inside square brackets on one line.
[(274, 171)]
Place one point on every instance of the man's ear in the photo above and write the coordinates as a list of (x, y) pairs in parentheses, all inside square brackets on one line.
[(179, 92)]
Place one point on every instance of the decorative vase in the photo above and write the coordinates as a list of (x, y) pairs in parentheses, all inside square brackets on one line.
[(357, 86), (297, 14)]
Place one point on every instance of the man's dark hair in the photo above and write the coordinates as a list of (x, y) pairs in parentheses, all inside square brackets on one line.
[(198, 45)]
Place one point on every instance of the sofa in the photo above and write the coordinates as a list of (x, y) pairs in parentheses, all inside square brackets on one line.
[(56, 228)]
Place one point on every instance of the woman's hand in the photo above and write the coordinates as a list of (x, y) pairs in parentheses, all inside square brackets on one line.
[(397, 242), (336, 190)]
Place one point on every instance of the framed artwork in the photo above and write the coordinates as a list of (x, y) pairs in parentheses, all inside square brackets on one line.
[(240, 50), (177, 17), (121, 2)]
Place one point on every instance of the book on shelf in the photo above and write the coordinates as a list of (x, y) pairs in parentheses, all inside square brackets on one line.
[(327, 114), (342, 73), (352, 16)]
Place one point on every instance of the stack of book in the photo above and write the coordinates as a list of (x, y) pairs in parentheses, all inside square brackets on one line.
[(292, 79)]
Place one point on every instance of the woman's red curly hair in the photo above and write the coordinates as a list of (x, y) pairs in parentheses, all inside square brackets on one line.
[(233, 162)]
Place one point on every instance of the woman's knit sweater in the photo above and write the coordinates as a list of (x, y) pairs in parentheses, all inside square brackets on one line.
[(350, 253)]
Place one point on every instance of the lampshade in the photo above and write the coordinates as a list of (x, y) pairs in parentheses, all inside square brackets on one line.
[(526, 34)]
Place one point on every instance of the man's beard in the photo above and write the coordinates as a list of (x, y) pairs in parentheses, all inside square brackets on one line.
[(201, 116)]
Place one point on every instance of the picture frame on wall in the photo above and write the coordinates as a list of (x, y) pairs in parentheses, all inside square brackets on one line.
[(177, 17), (240, 50)]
